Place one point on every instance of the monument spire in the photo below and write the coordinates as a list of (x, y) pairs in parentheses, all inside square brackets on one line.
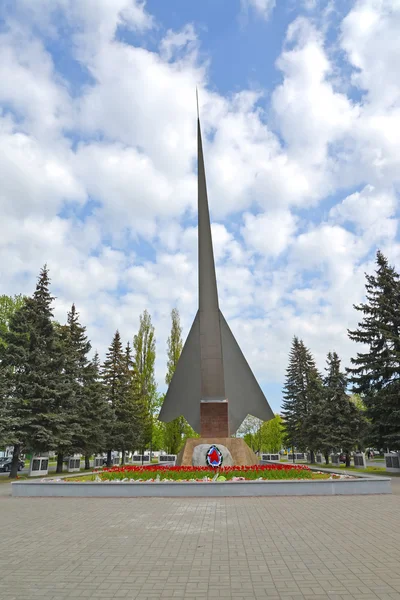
[(213, 386), (212, 368)]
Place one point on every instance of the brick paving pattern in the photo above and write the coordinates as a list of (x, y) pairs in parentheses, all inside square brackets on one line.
[(336, 548)]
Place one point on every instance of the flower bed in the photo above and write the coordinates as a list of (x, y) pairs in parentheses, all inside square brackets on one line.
[(153, 473)]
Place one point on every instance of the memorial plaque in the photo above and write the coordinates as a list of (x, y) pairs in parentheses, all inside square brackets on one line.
[(335, 458), (269, 457), (359, 460), (167, 458), (392, 462), (39, 466)]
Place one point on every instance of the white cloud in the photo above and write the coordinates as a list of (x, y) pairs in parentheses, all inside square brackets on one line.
[(370, 38), (127, 140), (263, 8), (269, 233), (310, 113), (372, 212), (174, 42)]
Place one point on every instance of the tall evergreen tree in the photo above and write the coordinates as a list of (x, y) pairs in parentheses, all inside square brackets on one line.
[(8, 306), (144, 384), (341, 419), (376, 371), (125, 410), (114, 380), (75, 347), (175, 429), (34, 364), (302, 398), (94, 412)]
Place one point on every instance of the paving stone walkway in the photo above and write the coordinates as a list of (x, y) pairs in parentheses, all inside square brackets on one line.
[(240, 548)]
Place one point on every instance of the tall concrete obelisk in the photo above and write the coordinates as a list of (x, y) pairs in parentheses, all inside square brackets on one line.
[(213, 387)]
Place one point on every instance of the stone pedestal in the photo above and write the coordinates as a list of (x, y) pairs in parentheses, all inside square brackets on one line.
[(214, 419), (242, 455)]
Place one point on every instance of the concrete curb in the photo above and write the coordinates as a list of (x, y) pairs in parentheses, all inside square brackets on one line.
[(89, 489)]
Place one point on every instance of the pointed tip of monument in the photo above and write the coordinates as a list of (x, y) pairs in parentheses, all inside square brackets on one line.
[(197, 103)]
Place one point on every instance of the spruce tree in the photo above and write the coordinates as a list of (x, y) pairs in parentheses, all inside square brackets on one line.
[(176, 428), (114, 377), (74, 346), (375, 373), (342, 421), (125, 410), (302, 398), (94, 412), (34, 364)]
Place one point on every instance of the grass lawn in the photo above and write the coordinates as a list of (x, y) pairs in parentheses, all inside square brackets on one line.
[(371, 470), (24, 477)]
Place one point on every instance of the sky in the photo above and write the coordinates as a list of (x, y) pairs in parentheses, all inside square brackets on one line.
[(300, 112)]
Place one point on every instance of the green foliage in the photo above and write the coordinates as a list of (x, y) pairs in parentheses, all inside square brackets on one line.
[(118, 376), (176, 429), (375, 373), (126, 424), (174, 344), (95, 414), (178, 475), (144, 384), (74, 347), (8, 306), (262, 436), (303, 393), (250, 429), (342, 422), (272, 435), (33, 365)]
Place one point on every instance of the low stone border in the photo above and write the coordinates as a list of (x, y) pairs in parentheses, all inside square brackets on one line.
[(89, 489)]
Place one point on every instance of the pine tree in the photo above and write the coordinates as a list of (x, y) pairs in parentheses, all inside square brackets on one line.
[(302, 398), (342, 421), (176, 428), (74, 346), (376, 372), (114, 378), (144, 384), (34, 364)]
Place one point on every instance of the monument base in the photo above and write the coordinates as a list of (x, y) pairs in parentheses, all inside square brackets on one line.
[(214, 419), (242, 455)]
